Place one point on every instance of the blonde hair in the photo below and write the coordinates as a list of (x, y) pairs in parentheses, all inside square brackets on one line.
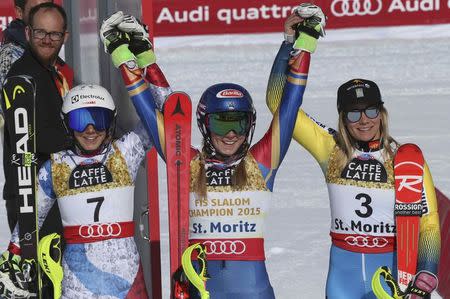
[(346, 143), (238, 179)]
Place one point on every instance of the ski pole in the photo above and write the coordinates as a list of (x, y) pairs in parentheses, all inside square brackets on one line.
[(49, 250), (385, 274), (197, 279)]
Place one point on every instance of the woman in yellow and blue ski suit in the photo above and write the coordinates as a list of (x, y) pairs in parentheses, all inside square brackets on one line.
[(357, 163)]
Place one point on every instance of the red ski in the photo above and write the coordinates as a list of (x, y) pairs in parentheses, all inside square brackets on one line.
[(153, 222), (177, 127), (408, 172)]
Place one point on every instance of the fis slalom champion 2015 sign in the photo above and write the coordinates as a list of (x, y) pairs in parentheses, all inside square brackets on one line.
[(231, 16)]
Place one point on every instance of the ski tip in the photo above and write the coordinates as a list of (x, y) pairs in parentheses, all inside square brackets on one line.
[(409, 147)]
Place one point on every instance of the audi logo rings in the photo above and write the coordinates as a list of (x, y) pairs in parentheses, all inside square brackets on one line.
[(362, 241), (100, 230), (341, 8), (225, 247)]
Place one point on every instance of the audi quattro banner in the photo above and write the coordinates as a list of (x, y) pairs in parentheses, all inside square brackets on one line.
[(179, 17)]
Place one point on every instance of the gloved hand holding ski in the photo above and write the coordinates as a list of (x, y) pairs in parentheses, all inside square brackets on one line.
[(422, 285), (14, 283)]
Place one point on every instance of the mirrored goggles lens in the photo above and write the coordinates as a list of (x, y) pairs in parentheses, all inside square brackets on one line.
[(224, 122), (100, 118), (355, 115)]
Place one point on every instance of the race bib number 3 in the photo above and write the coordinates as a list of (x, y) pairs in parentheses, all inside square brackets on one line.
[(365, 211)]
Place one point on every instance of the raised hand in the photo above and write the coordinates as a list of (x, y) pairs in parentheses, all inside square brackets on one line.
[(139, 43), (109, 33), (116, 41), (313, 17), (290, 26), (312, 27)]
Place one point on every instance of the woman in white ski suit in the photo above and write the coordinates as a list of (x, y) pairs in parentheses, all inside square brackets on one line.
[(93, 184)]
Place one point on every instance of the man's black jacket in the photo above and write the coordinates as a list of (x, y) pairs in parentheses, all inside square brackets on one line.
[(51, 136)]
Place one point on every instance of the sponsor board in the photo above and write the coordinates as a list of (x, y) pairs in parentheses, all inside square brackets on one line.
[(171, 18), (232, 16)]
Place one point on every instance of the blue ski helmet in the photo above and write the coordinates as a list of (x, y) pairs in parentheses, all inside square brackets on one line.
[(225, 97)]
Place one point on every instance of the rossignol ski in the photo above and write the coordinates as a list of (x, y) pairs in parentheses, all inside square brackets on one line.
[(408, 173), (19, 94), (177, 127)]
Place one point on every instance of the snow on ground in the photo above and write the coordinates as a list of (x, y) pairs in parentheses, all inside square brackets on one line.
[(411, 66)]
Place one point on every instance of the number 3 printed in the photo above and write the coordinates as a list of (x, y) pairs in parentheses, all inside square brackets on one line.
[(366, 204)]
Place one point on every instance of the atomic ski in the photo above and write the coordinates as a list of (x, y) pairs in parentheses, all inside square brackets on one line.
[(177, 127), (19, 93), (408, 173)]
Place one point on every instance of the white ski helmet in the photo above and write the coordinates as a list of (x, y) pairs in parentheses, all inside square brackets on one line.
[(87, 95), (86, 105), (89, 105)]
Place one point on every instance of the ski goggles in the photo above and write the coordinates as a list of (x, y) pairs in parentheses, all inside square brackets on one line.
[(223, 122), (355, 115), (98, 117)]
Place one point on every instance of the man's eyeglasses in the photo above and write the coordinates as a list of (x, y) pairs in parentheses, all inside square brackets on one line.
[(41, 34), (355, 115)]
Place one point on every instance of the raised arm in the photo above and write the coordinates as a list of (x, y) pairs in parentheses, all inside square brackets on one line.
[(312, 135), (270, 151), (144, 80)]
